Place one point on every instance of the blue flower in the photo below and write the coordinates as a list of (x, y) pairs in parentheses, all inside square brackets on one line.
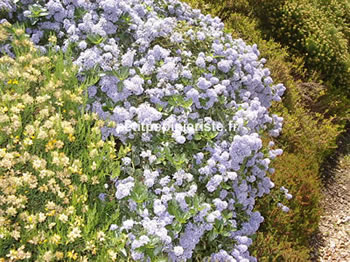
[(102, 197), (200, 62), (225, 65)]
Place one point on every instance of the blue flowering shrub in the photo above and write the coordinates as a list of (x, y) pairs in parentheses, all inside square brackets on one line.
[(306, 140), (192, 104)]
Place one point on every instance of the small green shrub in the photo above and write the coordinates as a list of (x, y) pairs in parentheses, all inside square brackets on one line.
[(316, 30), (291, 230), (270, 248), (337, 11)]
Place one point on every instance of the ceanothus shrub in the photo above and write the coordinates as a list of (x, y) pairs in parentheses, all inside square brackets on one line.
[(184, 192)]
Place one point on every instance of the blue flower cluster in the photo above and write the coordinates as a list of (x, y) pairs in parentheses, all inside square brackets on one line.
[(184, 191)]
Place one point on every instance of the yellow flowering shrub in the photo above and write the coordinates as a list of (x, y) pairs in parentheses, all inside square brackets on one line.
[(49, 184)]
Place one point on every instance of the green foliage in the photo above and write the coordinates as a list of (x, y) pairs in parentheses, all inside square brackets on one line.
[(291, 230), (269, 248), (309, 134), (316, 30)]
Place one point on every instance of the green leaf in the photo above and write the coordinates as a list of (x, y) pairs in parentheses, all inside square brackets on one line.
[(139, 193), (122, 73), (197, 137), (188, 103), (120, 86), (157, 250), (92, 80), (173, 207), (212, 235), (202, 101), (95, 39), (116, 172), (177, 227)]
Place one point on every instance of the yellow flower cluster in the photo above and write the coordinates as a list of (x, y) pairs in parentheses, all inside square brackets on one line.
[(51, 170)]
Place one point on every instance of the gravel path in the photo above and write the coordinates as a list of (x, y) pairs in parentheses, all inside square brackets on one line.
[(332, 243)]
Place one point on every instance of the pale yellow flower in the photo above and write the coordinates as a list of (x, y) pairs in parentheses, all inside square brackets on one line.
[(112, 255), (93, 166), (48, 124), (70, 210), (39, 164), (50, 205), (59, 255), (59, 144), (12, 255), (84, 178), (46, 173), (7, 161), (52, 39), (15, 234), (67, 127), (27, 142), (93, 153), (44, 112), (8, 130), (86, 117), (100, 143), (42, 134), (63, 218), (4, 118), (55, 239), (83, 259), (41, 217), (48, 256), (94, 116), (29, 130), (75, 233), (85, 208), (27, 99), (101, 236), (61, 194), (75, 168), (15, 109), (95, 180), (96, 130), (52, 133), (2, 152), (11, 211), (42, 99)]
